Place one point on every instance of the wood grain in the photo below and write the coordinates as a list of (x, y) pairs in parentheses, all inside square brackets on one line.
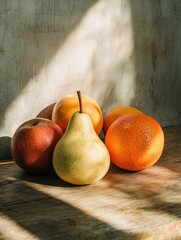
[(123, 205)]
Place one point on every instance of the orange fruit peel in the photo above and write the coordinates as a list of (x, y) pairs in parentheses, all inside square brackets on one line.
[(135, 142)]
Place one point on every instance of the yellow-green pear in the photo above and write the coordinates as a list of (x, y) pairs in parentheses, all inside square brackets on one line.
[(80, 157)]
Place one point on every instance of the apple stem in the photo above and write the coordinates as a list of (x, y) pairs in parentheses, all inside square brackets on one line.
[(80, 101)]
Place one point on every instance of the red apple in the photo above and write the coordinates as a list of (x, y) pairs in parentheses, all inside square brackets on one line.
[(33, 144)]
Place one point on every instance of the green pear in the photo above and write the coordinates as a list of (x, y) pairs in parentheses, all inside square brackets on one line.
[(80, 157)]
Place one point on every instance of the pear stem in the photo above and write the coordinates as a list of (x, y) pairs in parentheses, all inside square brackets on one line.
[(80, 101)]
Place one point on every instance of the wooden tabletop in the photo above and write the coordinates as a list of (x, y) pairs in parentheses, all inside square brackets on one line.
[(123, 205)]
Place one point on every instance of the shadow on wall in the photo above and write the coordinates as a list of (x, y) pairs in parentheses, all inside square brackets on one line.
[(59, 49), (157, 59), (31, 34), (116, 51), (95, 57), (5, 149)]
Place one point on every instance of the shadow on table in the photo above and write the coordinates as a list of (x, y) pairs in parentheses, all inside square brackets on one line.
[(50, 179), (46, 217), (156, 189)]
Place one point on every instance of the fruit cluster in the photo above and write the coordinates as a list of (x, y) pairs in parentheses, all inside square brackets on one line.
[(64, 137)]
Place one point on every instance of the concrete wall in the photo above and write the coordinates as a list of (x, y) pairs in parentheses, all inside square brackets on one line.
[(116, 51)]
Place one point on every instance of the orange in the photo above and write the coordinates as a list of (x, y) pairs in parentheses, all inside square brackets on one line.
[(117, 112), (135, 142), (68, 105)]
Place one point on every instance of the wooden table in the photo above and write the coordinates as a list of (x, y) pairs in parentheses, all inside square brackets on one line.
[(123, 205)]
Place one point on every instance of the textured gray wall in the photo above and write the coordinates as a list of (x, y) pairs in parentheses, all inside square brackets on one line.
[(116, 51)]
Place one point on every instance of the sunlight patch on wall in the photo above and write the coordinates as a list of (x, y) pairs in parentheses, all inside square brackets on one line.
[(96, 58)]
